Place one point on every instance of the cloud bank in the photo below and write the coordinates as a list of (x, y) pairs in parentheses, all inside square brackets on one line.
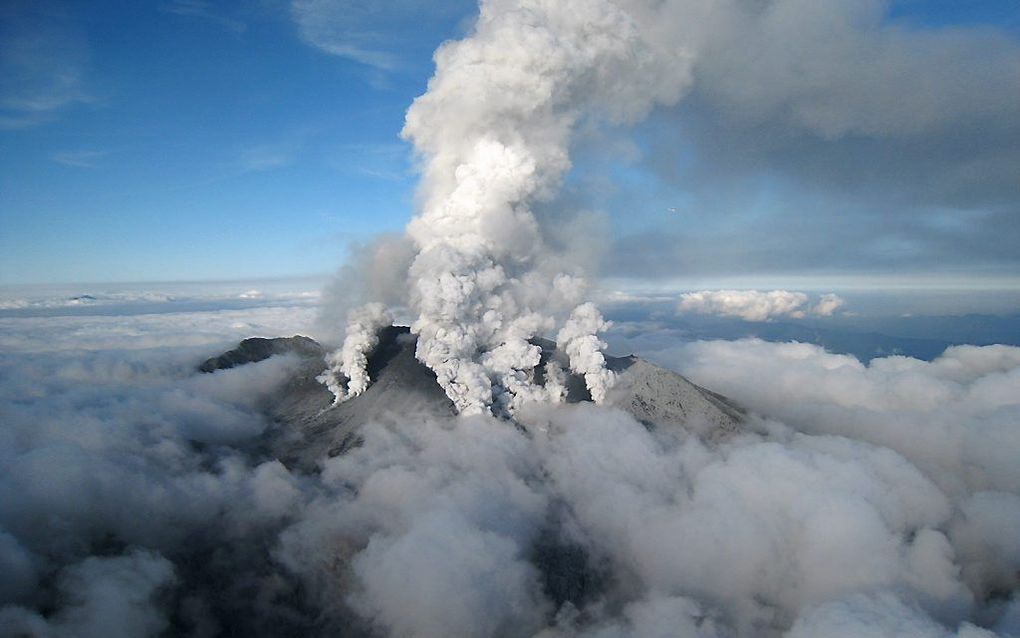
[(870, 500), (828, 137), (754, 305)]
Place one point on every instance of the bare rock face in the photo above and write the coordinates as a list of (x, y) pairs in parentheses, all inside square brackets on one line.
[(309, 428), (259, 348)]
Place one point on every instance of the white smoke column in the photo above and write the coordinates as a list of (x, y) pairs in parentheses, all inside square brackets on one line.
[(578, 339), (351, 360), (493, 133), (555, 382)]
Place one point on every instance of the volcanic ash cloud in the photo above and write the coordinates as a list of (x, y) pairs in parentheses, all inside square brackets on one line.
[(351, 361), (493, 133)]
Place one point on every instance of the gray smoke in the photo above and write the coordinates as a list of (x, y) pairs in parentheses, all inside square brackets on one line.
[(351, 361), (493, 134)]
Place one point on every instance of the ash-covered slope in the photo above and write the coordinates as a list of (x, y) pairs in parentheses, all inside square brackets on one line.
[(309, 428)]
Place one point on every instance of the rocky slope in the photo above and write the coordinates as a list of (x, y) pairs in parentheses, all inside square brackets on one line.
[(309, 428)]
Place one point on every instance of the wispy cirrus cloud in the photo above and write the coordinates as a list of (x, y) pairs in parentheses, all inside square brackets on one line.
[(42, 64), (79, 159), (344, 30), (371, 33), (202, 10)]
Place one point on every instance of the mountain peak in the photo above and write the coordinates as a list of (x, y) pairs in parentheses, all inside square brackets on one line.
[(310, 428)]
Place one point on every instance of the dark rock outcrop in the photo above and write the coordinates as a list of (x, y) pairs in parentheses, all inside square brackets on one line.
[(309, 428), (259, 348)]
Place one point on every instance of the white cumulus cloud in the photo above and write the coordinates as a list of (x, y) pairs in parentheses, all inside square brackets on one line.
[(754, 305)]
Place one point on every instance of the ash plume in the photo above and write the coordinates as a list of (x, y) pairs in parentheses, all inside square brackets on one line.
[(493, 134), (578, 340), (351, 361)]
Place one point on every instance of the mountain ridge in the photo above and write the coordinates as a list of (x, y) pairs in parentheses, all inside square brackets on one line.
[(308, 427)]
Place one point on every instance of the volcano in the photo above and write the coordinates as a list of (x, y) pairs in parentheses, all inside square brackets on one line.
[(308, 427)]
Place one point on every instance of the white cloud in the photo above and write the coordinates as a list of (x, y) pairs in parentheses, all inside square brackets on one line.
[(880, 615), (954, 417), (164, 329), (104, 317), (754, 305), (838, 68), (887, 498), (901, 516), (750, 305), (827, 305), (347, 30), (123, 449)]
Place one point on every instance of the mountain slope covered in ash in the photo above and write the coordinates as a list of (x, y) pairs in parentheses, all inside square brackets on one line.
[(309, 428)]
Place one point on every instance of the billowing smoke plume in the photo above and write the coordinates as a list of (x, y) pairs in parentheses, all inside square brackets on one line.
[(351, 361), (578, 340), (493, 133)]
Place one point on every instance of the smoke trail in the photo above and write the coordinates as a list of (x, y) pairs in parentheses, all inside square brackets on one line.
[(351, 360), (493, 133), (578, 340)]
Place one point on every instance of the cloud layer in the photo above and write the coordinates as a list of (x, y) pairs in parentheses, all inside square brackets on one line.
[(827, 137), (868, 500), (754, 305)]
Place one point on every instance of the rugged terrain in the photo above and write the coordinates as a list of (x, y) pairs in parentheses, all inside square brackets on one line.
[(308, 428)]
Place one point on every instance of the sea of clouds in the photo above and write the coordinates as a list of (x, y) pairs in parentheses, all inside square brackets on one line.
[(137, 498)]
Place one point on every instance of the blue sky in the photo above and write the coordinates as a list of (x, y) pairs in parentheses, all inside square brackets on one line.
[(199, 142), (185, 140)]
